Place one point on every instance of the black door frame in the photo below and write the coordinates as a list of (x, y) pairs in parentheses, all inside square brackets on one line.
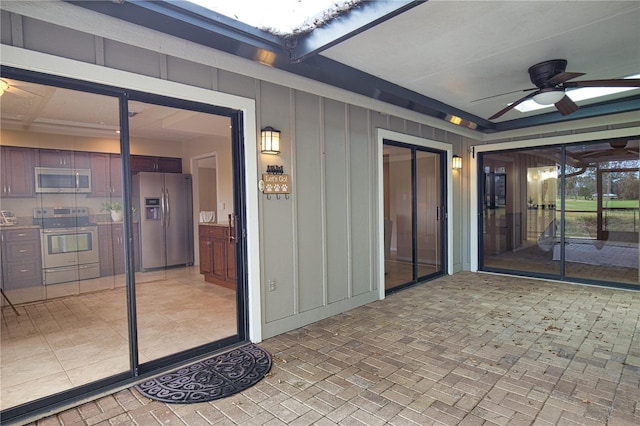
[(136, 370), (442, 212)]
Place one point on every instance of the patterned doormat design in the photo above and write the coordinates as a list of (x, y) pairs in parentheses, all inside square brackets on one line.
[(214, 378)]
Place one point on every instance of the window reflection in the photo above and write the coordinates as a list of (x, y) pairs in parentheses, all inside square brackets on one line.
[(524, 211)]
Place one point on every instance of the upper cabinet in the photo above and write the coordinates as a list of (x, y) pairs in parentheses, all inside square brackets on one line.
[(63, 159), (17, 172), (145, 163), (106, 175)]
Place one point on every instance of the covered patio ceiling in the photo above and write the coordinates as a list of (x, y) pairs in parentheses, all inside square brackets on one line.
[(459, 61)]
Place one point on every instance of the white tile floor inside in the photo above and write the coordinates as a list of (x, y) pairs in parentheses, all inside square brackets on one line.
[(61, 343)]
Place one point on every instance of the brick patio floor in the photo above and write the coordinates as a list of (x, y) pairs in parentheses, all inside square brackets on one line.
[(469, 349)]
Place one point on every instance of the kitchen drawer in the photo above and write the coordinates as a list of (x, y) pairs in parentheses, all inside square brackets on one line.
[(20, 251), (23, 274), (16, 235), (218, 232)]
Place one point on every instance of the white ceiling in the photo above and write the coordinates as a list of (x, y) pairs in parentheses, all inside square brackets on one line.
[(37, 108), (460, 51)]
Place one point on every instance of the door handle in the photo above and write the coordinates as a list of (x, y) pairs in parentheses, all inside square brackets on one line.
[(168, 203)]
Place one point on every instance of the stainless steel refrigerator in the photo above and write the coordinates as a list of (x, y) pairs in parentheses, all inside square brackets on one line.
[(164, 204)]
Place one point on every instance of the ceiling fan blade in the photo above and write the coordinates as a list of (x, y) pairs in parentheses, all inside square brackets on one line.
[(563, 76), (513, 105), (622, 82), (506, 93), (566, 106)]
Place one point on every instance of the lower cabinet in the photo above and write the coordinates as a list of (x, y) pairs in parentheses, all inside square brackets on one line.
[(217, 255), (21, 258), (111, 240)]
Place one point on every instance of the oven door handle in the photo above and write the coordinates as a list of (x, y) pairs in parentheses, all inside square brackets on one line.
[(64, 268), (67, 231)]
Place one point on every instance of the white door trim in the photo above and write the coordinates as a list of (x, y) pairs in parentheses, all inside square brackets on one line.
[(63, 67)]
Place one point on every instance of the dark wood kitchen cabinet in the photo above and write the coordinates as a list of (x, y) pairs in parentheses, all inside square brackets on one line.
[(217, 255), (17, 173), (106, 175), (111, 243), (65, 159), (146, 163), (21, 258)]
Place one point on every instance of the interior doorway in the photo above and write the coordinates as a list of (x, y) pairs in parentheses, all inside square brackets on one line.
[(414, 214)]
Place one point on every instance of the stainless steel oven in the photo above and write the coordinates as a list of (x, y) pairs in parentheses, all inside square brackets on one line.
[(69, 244)]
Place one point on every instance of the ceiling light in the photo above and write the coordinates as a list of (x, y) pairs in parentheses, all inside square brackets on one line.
[(548, 96), (3, 86)]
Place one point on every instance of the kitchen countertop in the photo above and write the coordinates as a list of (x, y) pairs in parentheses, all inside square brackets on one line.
[(9, 227)]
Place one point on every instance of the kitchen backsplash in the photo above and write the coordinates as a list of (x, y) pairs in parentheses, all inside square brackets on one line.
[(23, 207)]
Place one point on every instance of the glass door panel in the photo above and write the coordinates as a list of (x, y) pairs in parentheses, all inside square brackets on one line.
[(602, 212), (428, 213), (577, 220), (413, 224), (520, 211), (68, 325), (182, 196), (398, 220)]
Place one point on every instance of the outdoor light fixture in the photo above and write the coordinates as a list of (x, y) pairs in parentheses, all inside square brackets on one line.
[(456, 162), (270, 143), (548, 96)]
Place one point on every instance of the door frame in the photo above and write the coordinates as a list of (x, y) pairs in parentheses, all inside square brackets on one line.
[(68, 68), (447, 148)]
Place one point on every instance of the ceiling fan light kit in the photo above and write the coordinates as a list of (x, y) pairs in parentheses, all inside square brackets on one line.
[(548, 97)]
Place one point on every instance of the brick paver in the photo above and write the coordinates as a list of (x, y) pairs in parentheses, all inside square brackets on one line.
[(469, 349)]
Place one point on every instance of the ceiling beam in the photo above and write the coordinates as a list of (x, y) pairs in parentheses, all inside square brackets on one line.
[(588, 111), (357, 20)]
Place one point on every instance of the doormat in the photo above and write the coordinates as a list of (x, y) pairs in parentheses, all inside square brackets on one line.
[(213, 378)]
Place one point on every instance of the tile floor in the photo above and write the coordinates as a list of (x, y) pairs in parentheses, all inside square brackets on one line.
[(467, 349), (65, 342)]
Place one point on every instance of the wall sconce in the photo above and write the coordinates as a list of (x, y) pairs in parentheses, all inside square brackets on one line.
[(456, 162), (270, 143)]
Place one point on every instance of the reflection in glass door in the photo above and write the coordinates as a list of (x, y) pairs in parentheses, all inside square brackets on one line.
[(563, 212), (181, 219), (413, 214)]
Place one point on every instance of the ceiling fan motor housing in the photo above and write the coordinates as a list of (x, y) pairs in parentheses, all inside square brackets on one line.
[(542, 72)]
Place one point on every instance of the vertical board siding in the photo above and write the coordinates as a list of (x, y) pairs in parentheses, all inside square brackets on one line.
[(190, 73), (236, 84), (133, 59), (337, 214), (310, 209), (59, 41), (277, 233), (5, 28), (361, 194)]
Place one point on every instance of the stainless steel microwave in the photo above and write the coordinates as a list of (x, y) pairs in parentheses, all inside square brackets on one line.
[(55, 180)]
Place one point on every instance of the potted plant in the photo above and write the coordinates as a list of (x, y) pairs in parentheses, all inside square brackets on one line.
[(114, 208)]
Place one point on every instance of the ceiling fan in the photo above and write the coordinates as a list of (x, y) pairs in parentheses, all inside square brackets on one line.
[(551, 81), (11, 86), (619, 149)]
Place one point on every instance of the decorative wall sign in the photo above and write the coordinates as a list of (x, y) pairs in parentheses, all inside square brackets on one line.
[(276, 184)]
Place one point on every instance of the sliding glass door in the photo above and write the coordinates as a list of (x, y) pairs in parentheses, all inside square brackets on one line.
[(414, 214), (563, 212)]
